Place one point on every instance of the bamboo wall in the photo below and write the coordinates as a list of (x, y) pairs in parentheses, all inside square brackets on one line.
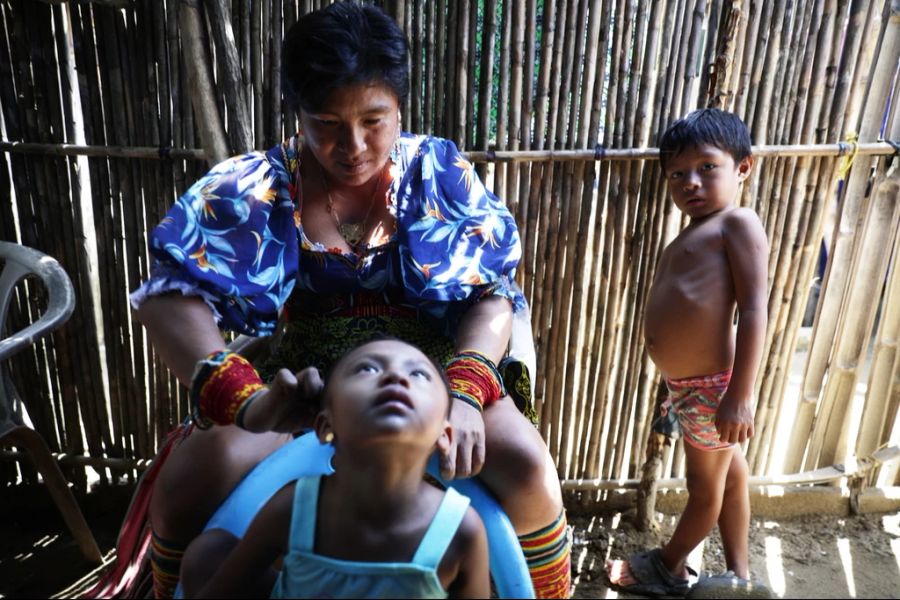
[(107, 87)]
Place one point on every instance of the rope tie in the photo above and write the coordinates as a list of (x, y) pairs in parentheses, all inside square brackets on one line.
[(847, 163)]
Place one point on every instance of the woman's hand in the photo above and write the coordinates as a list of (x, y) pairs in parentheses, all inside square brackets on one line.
[(485, 327), (465, 455), (289, 405)]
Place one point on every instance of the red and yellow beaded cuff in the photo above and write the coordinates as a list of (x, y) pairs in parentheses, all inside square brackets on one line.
[(223, 386), (474, 379)]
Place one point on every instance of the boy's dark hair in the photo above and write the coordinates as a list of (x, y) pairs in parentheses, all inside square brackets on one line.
[(724, 130), (343, 44), (383, 337)]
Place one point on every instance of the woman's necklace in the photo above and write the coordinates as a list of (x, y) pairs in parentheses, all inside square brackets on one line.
[(352, 233)]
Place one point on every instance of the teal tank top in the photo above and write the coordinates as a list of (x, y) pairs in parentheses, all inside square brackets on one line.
[(305, 574)]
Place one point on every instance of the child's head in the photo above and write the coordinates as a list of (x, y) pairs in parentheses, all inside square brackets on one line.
[(705, 156), (707, 126), (385, 389)]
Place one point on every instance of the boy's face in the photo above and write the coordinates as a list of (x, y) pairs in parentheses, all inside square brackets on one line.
[(386, 390), (705, 179)]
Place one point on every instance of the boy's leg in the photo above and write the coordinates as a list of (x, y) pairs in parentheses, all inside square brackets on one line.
[(196, 478), (734, 519), (706, 474), (520, 472)]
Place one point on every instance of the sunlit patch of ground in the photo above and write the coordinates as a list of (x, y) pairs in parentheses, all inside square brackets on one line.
[(814, 556)]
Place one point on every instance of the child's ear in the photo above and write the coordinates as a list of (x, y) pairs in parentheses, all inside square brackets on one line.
[(445, 439), (744, 167), (322, 426)]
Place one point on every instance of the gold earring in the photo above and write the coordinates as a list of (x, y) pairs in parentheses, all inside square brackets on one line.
[(329, 437)]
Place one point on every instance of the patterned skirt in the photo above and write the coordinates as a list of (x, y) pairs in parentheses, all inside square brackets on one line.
[(319, 330)]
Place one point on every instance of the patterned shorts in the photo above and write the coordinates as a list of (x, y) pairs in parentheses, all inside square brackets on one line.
[(695, 400)]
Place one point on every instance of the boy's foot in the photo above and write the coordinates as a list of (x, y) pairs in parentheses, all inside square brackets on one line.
[(646, 573), (728, 585)]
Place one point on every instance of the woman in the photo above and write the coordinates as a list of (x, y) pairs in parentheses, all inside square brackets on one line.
[(353, 228)]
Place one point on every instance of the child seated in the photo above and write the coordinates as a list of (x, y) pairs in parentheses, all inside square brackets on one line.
[(383, 530)]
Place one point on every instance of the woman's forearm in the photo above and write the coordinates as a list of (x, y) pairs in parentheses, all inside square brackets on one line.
[(182, 330), (486, 327)]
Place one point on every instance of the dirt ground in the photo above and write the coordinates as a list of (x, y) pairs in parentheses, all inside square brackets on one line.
[(814, 556)]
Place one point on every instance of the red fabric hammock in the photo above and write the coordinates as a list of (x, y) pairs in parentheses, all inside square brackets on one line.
[(130, 576)]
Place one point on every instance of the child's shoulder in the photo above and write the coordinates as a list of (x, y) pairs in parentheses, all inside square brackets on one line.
[(470, 537), (742, 222), (741, 215), (471, 527)]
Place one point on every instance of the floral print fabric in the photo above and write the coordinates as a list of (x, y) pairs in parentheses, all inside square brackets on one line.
[(236, 239)]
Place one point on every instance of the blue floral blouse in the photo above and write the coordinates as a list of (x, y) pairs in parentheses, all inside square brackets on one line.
[(236, 239)]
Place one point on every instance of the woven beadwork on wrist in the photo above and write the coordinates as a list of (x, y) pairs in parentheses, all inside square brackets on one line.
[(223, 385), (472, 401), (474, 379)]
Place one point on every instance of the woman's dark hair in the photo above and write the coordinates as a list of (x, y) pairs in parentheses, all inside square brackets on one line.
[(343, 44), (712, 126)]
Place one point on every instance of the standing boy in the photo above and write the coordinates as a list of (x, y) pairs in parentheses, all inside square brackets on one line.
[(717, 264)]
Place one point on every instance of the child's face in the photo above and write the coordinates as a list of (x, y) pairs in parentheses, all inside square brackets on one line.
[(386, 390), (705, 179)]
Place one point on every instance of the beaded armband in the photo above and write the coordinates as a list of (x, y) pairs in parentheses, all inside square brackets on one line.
[(474, 379), (222, 387)]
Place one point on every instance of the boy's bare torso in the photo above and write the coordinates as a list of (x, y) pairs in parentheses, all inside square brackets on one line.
[(689, 322)]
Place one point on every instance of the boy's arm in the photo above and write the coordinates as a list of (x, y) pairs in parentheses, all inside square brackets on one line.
[(473, 578), (748, 257), (247, 566)]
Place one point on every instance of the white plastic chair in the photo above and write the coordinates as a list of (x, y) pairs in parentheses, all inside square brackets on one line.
[(20, 262)]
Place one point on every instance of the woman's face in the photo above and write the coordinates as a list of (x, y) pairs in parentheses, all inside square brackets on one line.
[(353, 134)]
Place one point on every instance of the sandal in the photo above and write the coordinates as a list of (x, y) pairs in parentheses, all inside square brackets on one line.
[(653, 578), (728, 585)]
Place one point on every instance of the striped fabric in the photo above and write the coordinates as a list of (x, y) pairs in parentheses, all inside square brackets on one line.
[(165, 557), (547, 553)]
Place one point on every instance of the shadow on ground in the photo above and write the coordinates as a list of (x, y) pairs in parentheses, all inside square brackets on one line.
[(38, 556)]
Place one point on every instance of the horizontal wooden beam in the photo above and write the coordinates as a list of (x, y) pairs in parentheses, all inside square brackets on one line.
[(477, 156), (104, 151), (852, 468)]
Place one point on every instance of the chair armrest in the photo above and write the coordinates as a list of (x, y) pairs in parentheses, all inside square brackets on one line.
[(22, 261)]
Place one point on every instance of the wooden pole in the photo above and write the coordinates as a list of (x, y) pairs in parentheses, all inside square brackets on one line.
[(239, 133), (846, 262), (202, 92), (720, 93)]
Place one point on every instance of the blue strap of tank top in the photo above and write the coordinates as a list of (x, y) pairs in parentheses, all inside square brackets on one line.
[(442, 529), (431, 549), (303, 519)]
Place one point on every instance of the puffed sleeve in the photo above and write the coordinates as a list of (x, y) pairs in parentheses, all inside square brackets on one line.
[(231, 240), (458, 242)]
